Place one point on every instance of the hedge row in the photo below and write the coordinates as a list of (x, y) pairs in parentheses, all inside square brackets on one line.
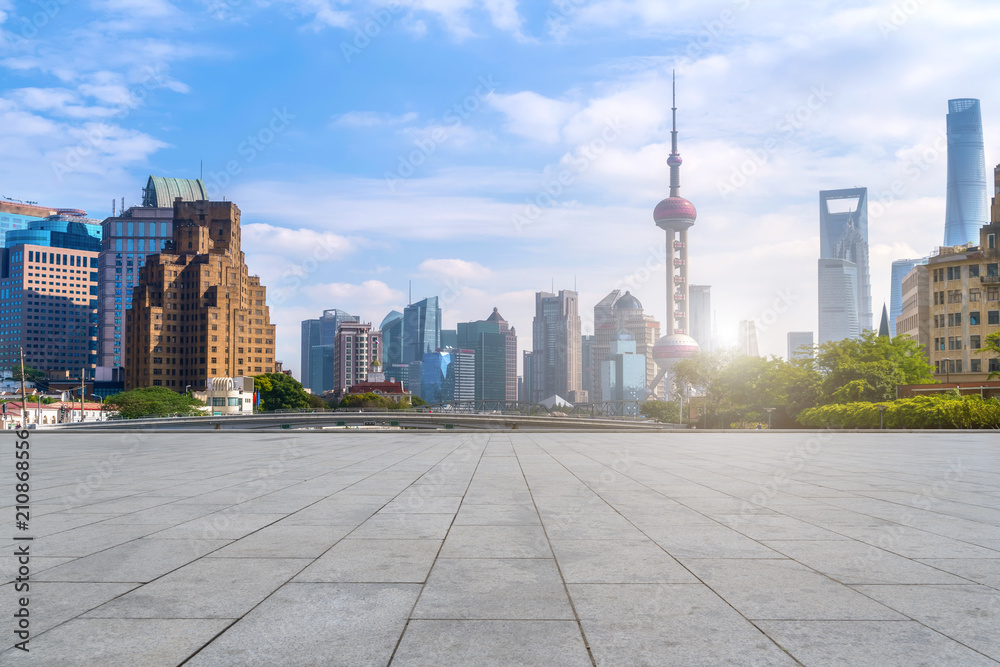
[(943, 411)]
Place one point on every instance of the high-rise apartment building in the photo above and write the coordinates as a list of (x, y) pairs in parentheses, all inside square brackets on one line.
[(614, 314), (316, 349), (623, 372), (899, 269), (555, 341), (127, 239), (494, 342), (845, 295), (48, 289), (196, 311), (800, 345), (421, 329), (965, 207), (590, 377), (357, 349)]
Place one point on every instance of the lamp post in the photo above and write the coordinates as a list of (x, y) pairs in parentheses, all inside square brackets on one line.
[(101, 399), (947, 370), (769, 411), (881, 411)]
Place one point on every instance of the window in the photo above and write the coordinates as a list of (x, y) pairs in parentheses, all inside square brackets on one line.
[(974, 342), (974, 318), (992, 270), (954, 296), (975, 366), (973, 270), (993, 317), (216, 401), (974, 295)]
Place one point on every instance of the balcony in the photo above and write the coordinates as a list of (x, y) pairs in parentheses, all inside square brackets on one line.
[(989, 279), (678, 279)]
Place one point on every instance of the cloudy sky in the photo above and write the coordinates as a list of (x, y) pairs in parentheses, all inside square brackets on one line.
[(487, 149)]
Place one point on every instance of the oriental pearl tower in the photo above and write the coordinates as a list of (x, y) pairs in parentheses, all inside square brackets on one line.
[(674, 215)]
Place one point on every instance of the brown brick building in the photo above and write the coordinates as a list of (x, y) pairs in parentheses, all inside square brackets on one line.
[(196, 312)]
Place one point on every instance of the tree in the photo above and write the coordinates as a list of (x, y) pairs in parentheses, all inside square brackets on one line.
[(665, 412), (30, 374), (278, 391), (316, 402), (870, 368), (152, 401), (416, 401), (992, 344)]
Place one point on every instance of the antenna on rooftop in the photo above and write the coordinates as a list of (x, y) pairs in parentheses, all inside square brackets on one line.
[(113, 202), (410, 297)]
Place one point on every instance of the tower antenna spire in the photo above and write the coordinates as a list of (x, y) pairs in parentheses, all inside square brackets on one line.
[(675, 158)]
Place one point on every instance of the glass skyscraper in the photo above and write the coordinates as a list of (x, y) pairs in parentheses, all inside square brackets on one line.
[(421, 329), (899, 270), (317, 335), (966, 209), (845, 293), (392, 342)]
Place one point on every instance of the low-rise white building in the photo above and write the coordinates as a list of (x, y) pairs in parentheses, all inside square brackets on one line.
[(228, 396)]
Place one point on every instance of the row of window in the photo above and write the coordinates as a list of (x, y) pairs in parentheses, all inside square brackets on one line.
[(955, 319), (975, 366), (970, 270)]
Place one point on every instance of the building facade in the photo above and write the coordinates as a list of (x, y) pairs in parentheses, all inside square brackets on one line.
[(915, 319), (196, 310), (748, 338), (555, 361), (48, 295), (126, 240), (356, 348), (448, 375), (797, 340), (392, 342), (228, 396), (965, 206), (494, 343), (701, 315), (421, 329), (845, 295), (623, 372), (316, 343), (899, 270), (16, 215), (614, 314)]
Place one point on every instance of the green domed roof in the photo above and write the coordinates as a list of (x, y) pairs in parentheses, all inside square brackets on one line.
[(161, 192)]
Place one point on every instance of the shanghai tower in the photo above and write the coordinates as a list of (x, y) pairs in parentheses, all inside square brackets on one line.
[(966, 211)]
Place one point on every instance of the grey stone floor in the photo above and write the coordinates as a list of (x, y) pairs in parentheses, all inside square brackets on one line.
[(521, 549)]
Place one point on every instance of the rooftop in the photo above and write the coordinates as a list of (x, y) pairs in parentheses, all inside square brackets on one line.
[(532, 549)]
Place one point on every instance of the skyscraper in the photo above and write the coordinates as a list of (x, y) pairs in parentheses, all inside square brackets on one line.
[(392, 342), (555, 341), (845, 295), (797, 340), (623, 372), (614, 314), (421, 329), (494, 342), (899, 270), (48, 289), (127, 240), (196, 310), (701, 315), (448, 375), (675, 215), (966, 210), (748, 338), (317, 373), (356, 349)]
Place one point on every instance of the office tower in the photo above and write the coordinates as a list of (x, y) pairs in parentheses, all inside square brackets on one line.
[(797, 342), (16, 215), (845, 295), (448, 375), (392, 342), (590, 377), (449, 338), (421, 329), (623, 372), (127, 239), (914, 320), (883, 325), (701, 315), (527, 392), (899, 269), (316, 370), (748, 338), (494, 342), (615, 313), (965, 307), (48, 286), (965, 207), (555, 341), (196, 310), (675, 215), (357, 349)]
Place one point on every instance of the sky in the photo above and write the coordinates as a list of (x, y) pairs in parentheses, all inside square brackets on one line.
[(483, 150)]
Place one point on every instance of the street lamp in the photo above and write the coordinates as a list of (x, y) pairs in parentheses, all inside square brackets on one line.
[(769, 411), (881, 411), (101, 399), (947, 370)]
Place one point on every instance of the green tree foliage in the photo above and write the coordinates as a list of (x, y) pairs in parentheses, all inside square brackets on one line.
[(30, 374), (665, 412), (152, 401), (870, 368), (416, 401), (280, 392), (372, 401), (316, 402), (947, 410), (992, 344)]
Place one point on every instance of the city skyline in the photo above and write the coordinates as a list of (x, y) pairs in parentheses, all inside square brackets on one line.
[(328, 229)]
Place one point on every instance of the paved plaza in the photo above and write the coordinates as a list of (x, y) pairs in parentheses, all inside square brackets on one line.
[(466, 549)]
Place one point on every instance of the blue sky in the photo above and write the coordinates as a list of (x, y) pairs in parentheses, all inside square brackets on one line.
[(486, 149)]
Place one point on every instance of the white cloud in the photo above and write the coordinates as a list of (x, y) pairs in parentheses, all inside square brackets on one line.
[(295, 243), (458, 270), (533, 116), (366, 119), (368, 294)]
